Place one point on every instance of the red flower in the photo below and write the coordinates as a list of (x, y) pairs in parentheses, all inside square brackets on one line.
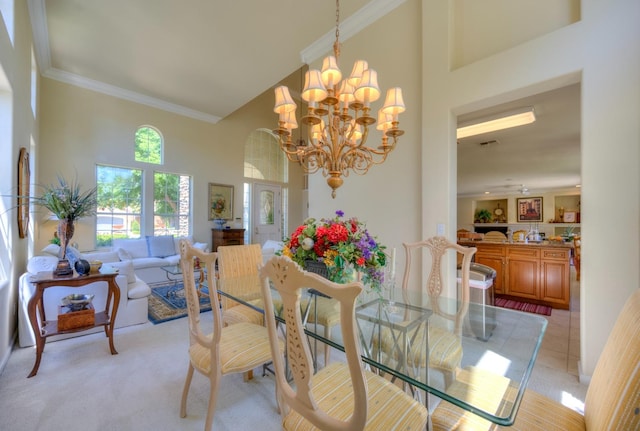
[(360, 261)]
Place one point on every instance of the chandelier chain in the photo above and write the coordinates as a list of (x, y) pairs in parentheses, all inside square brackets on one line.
[(336, 45)]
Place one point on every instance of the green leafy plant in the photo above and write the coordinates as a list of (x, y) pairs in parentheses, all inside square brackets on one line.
[(66, 201), (483, 215)]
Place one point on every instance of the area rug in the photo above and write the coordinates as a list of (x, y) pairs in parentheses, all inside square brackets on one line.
[(167, 302), (523, 306)]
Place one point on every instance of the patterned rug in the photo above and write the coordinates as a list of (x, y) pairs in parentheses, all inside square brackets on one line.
[(523, 306), (167, 302)]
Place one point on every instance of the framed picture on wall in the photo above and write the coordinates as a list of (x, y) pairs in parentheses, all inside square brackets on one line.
[(529, 210), (220, 202), (569, 217)]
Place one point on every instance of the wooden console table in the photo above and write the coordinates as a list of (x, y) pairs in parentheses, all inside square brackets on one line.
[(43, 328), (226, 237)]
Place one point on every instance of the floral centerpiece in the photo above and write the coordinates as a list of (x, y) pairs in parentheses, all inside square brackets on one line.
[(343, 245), (68, 203)]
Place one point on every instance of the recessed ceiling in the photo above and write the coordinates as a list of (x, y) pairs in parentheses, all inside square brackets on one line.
[(199, 58), (542, 156)]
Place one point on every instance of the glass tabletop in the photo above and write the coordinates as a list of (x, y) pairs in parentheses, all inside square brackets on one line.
[(499, 346)]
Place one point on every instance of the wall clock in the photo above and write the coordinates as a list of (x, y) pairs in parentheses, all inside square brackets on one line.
[(24, 178)]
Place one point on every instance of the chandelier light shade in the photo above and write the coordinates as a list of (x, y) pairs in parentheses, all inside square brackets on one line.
[(338, 118)]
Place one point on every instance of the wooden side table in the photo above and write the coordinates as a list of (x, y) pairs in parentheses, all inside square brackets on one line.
[(44, 328), (226, 237)]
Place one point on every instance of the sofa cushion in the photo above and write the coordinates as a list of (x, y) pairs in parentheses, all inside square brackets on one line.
[(52, 249), (102, 256), (123, 254), (172, 260), (42, 264), (136, 247), (150, 262), (161, 246), (124, 268), (138, 289)]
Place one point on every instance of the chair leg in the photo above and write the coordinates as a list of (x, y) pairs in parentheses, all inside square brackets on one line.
[(327, 348), (185, 392), (213, 394)]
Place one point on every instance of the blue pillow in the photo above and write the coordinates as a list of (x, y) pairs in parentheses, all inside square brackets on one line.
[(73, 255), (161, 246)]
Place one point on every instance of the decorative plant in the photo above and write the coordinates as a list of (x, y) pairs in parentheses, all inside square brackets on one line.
[(68, 203), (343, 245), (483, 215)]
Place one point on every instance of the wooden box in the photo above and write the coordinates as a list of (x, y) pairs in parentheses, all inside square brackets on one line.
[(68, 319)]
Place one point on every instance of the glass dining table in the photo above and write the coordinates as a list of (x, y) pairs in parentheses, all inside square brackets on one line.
[(502, 360)]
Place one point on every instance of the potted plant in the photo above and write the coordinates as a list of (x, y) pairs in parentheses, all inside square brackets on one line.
[(483, 216)]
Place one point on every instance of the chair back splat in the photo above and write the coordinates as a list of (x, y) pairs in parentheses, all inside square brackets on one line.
[(366, 401)]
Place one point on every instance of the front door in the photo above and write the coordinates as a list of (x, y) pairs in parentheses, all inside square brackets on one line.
[(267, 214)]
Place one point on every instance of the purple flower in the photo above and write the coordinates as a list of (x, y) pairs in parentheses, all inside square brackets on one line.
[(340, 213)]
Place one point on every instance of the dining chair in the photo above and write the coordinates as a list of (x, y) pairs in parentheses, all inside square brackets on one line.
[(240, 262), (612, 401), (340, 396), (495, 236), (444, 348), (228, 349), (577, 254)]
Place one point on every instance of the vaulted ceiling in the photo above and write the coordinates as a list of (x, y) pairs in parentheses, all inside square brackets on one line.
[(205, 59)]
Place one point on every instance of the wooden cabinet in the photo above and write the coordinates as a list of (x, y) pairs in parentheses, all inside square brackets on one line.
[(555, 273), (493, 255), (522, 274), (226, 237), (534, 272)]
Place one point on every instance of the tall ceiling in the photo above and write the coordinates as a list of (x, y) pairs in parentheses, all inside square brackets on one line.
[(205, 59)]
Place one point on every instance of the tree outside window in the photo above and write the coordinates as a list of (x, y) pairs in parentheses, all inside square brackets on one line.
[(172, 203)]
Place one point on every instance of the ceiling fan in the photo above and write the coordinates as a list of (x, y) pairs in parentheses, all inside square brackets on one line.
[(523, 190)]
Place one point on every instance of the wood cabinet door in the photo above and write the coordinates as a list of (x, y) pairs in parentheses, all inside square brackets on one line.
[(497, 263), (522, 272), (554, 283)]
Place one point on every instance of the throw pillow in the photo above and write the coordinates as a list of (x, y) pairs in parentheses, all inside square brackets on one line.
[(52, 249), (42, 264), (124, 254), (73, 255), (161, 246), (124, 268)]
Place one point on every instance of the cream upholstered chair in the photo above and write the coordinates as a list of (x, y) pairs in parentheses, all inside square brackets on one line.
[(495, 236), (240, 262), (445, 328), (612, 401), (232, 349), (339, 397)]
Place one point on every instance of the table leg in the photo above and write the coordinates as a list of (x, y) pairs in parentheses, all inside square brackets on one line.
[(112, 317), (33, 319)]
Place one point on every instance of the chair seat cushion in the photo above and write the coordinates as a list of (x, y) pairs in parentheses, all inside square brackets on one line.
[(389, 408), (487, 390), (445, 348), (328, 310), (242, 313), (243, 347)]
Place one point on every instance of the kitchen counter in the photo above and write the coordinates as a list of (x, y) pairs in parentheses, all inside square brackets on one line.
[(535, 272)]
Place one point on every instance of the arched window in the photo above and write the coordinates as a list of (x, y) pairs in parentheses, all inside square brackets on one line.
[(149, 145)]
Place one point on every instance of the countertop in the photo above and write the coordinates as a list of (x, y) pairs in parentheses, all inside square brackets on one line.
[(518, 244)]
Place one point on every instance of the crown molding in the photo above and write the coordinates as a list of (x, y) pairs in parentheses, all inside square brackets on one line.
[(132, 96), (365, 16)]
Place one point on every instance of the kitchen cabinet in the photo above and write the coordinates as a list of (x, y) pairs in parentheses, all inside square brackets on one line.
[(537, 273), (493, 255)]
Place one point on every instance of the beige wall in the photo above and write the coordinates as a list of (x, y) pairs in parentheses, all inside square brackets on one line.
[(17, 129), (81, 128), (404, 199)]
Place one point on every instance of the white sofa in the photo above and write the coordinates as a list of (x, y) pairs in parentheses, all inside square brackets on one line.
[(148, 255), (132, 308)]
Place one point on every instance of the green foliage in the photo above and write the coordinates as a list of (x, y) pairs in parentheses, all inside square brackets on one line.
[(483, 215), (148, 146), (66, 201)]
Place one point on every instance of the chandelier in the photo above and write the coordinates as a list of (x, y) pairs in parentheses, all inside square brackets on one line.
[(338, 119)]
